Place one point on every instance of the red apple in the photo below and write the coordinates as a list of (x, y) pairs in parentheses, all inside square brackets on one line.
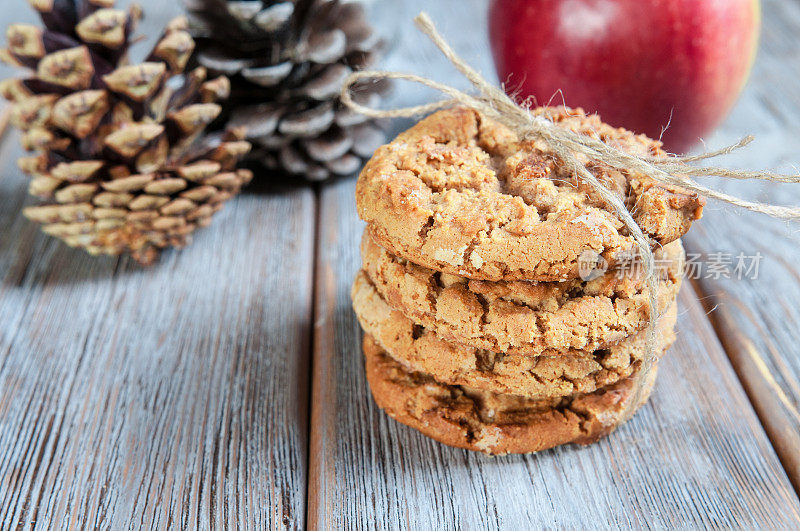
[(640, 64)]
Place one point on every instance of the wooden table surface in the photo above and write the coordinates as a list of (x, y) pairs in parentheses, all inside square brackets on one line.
[(224, 386)]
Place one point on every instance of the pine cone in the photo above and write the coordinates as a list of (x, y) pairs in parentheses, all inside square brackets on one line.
[(287, 62), (123, 162)]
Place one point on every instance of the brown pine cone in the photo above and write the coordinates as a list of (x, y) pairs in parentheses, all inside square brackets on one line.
[(287, 61), (123, 161)]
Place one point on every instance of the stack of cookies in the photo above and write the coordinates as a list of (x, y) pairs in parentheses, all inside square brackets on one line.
[(502, 309)]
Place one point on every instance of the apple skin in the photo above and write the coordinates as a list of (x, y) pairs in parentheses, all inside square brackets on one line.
[(639, 64)]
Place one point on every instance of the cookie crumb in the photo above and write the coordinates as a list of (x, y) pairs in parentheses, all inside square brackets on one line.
[(489, 438), (476, 259), (450, 256), (594, 221)]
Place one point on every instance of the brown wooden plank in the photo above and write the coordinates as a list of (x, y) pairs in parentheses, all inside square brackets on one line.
[(696, 455), (758, 320), (174, 396)]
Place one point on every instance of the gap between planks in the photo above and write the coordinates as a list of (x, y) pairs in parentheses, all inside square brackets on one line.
[(775, 410), (313, 468), (5, 117)]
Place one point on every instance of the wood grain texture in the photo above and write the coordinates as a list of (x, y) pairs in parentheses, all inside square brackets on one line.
[(178, 396), (696, 455), (758, 319), (168, 397)]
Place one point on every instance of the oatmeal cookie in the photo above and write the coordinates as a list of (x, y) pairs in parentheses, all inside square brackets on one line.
[(459, 193), (522, 316), (531, 376), (490, 423)]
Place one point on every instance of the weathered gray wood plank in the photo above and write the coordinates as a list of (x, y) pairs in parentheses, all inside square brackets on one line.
[(696, 455), (116, 406), (758, 319), (174, 396)]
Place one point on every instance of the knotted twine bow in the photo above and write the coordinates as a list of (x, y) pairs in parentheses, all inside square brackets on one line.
[(672, 170)]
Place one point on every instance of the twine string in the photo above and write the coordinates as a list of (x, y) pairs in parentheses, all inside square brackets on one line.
[(566, 145)]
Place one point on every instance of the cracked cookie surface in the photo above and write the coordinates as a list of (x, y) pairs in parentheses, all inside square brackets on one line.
[(490, 423), (522, 317), (532, 376), (458, 193)]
